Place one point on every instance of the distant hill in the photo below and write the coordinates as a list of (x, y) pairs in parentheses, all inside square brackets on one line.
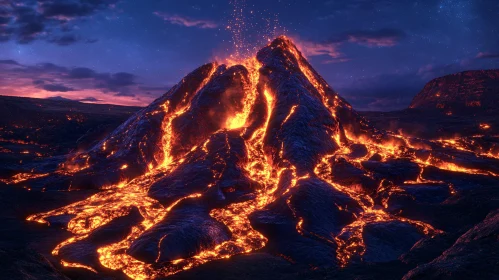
[(461, 92), (13, 107), (457, 105), (31, 126)]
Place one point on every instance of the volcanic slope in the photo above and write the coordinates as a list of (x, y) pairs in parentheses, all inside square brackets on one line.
[(257, 155)]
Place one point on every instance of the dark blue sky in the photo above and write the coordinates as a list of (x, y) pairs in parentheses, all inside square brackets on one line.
[(377, 54)]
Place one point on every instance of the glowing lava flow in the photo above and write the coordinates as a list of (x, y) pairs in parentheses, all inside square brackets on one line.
[(235, 216), (117, 201), (171, 115), (313, 80), (251, 92), (21, 177), (244, 238), (354, 244), (66, 169), (464, 145), (350, 240)]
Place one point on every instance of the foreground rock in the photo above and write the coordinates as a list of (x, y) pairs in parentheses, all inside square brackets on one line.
[(473, 256)]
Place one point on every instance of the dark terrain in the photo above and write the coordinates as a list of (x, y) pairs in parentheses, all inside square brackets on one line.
[(39, 128), (32, 130), (411, 194)]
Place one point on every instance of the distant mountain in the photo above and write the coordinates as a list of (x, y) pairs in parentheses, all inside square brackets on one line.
[(461, 92), (83, 100), (457, 105), (59, 98)]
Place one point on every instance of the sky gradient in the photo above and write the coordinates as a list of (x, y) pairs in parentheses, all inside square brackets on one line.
[(376, 53)]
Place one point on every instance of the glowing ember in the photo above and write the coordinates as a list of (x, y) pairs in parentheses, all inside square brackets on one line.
[(484, 126)]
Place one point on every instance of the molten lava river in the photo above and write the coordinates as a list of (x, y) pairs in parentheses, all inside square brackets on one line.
[(259, 154)]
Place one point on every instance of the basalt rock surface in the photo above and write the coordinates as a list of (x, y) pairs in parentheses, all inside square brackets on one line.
[(473, 255)]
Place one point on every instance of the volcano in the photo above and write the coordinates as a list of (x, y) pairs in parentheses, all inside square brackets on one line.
[(258, 155)]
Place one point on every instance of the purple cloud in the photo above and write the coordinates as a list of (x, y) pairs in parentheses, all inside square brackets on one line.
[(487, 55), (188, 22)]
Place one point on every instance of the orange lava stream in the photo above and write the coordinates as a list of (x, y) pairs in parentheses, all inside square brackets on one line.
[(291, 112), (431, 161), (21, 177), (100, 209), (171, 115), (244, 238), (117, 201), (354, 244), (64, 169), (251, 92), (77, 265), (312, 78), (394, 149), (458, 144), (235, 216)]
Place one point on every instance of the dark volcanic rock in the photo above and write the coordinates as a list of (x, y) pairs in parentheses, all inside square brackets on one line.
[(461, 181), (262, 266), (85, 251), (216, 170), (412, 199), (452, 106), (473, 256), (279, 226), (387, 241), (141, 134), (186, 230), (324, 210), (27, 264), (307, 134), (435, 193), (358, 151), (429, 248), (117, 229), (396, 170), (346, 174), (376, 157), (60, 221), (461, 210)]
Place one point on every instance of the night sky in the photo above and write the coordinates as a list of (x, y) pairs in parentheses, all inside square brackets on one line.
[(376, 53)]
